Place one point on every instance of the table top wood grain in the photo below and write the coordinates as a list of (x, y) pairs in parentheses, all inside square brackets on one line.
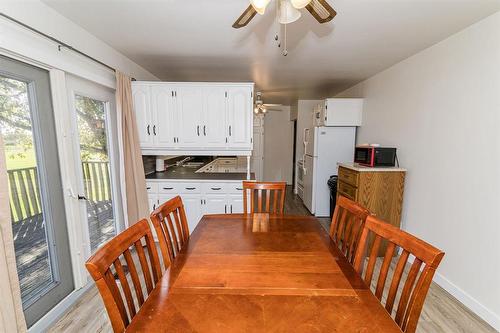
[(261, 273)]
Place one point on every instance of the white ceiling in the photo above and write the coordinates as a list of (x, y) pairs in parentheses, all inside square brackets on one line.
[(192, 40)]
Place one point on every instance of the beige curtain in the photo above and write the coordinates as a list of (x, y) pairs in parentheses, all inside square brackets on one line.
[(11, 312), (132, 178)]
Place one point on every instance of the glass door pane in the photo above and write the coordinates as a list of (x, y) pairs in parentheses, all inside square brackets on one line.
[(96, 172), (35, 189)]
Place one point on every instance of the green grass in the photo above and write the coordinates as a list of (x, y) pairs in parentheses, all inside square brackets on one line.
[(18, 158)]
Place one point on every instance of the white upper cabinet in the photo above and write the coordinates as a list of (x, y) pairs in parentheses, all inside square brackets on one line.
[(240, 116), (209, 118), (190, 111), (214, 119), (141, 95), (165, 116)]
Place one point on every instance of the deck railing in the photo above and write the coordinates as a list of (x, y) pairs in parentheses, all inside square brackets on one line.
[(25, 192)]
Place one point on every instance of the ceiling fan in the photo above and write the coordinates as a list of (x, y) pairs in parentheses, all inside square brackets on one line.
[(262, 108), (288, 11)]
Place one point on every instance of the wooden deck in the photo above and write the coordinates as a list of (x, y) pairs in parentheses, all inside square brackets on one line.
[(32, 254)]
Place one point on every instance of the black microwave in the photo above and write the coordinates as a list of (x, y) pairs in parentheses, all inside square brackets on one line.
[(375, 156)]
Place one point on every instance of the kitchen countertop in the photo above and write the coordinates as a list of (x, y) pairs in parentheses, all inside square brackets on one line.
[(361, 168), (187, 173)]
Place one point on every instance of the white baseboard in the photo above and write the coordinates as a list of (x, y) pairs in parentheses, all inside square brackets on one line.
[(58, 311), (470, 302)]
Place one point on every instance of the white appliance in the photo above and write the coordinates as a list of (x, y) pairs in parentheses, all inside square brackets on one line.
[(324, 148), (339, 112), (300, 178)]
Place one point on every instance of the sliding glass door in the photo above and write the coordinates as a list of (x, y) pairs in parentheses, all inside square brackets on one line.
[(35, 188), (94, 124)]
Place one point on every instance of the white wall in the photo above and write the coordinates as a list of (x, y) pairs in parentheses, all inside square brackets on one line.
[(278, 146), (441, 108), (17, 40)]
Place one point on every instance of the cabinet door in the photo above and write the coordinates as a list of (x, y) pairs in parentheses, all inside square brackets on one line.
[(214, 117), (236, 204), (189, 114), (192, 206), (215, 204), (240, 117), (141, 96), (153, 201), (163, 106)]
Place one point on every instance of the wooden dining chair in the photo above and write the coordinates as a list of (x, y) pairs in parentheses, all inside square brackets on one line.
[(170, 223), (107, 265), (418, 280), (347, 224), (272, 192)]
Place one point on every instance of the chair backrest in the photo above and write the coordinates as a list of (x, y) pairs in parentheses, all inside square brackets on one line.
[(107, 265), (347, 224), (272, 192), (417, 281), (170, 223)]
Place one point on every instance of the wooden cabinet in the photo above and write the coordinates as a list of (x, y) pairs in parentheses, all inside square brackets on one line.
[(173, 118), (378, 190)]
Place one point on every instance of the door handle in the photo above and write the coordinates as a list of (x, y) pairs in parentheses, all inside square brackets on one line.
[(225, 209), (229, 130), (147, 128), (231, 208), (82, 197), (204, 130), (154, 129), (198, 130)]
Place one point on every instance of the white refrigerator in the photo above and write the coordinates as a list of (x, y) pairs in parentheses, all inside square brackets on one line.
[(324, 147)]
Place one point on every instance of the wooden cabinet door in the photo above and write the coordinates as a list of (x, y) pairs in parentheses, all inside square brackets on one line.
[(193, 208), (189, 102), (141, 96), (214, 117), (215, 204), (240, 117), (164, 114)]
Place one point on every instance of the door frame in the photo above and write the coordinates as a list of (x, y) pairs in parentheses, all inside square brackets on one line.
[(79, 86)]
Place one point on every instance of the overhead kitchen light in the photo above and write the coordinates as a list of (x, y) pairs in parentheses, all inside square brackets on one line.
[(260, 5), (288, 13), (300, 3)]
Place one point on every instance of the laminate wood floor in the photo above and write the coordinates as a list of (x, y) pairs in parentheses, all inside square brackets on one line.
[(441, 312)]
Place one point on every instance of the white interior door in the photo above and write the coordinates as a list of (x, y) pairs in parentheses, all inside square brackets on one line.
[(96, 149)]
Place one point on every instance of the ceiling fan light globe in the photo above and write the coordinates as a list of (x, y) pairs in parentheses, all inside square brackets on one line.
[(299, 4), (260, 5), (288, 13)]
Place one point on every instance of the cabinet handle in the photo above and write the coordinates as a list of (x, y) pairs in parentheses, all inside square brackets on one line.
[(168, 188), (201, 201), (198, 130), (215, 188), (204, 130), (147, 128), (154, 129), (239, 189), (190, 188), (148, 188), (154, 206), (225, 209), (229, 130), (231, 208)]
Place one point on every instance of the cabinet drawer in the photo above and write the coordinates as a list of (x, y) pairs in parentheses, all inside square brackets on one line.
[(348, 176), (188, 188), (236, 188), (347, 190), (214, 188), (168, 188), (151, 187)]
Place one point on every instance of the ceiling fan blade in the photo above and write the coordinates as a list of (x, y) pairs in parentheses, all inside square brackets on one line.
[(271, 105), (246, 17), (321, 10)]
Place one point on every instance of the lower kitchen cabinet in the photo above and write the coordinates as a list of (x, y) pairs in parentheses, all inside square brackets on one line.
[(198, 198)]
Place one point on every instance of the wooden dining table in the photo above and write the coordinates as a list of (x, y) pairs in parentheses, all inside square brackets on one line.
[(261, 273)]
